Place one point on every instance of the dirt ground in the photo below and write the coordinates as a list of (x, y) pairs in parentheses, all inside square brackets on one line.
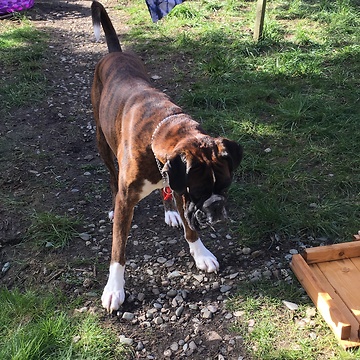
[(52, 165)]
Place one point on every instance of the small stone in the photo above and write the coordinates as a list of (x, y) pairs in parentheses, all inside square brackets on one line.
[(239, 313), (82, 310), (193, 306), (157, 306), (125, 340), (310, 312), (290, 305), (150, 313), (156, 77), (141, 297), (174, 346), (256, 254), (170, 263), (233, 276), (199, 278), (213, 308), (128, 316), (5, 268), (246, 251), (76, 338), (179, 311), (293, 251), (85, 236), (167, 353), (171, 293), (213, 336), (225, 288), (161, 260), (159, 320), (174, 274), (206, 313), (192, 345)]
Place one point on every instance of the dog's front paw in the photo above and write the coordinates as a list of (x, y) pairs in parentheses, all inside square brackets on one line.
[(172, 218), (204, 259), (112, 299), (114, 294)]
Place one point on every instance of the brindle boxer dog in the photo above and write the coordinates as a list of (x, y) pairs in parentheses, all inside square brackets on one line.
[(156, 145)]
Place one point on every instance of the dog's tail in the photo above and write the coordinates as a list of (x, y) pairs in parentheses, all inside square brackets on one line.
[(100, 16)]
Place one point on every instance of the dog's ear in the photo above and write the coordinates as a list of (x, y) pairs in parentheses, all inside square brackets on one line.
[(176, 171), (232, 151)]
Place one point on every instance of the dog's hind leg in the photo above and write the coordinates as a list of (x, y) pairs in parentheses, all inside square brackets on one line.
[(172, 216)]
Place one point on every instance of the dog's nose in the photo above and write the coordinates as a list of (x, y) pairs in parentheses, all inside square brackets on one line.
[(214, 207)]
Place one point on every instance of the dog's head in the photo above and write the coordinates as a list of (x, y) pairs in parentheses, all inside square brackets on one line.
[(201, 173)]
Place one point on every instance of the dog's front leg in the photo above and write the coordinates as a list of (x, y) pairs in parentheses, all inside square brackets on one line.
[(114, 293), (204, 258)]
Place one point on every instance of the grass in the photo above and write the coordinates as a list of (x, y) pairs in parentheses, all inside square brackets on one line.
[(22, 49), (39, 326), (52, 230), (262, 316)]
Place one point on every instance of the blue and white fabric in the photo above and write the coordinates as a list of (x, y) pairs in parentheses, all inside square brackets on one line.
[(159, 8)]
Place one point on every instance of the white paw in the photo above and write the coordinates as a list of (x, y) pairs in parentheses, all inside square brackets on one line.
[(111, 215), (172, 218), (204, 259), (114, 293)]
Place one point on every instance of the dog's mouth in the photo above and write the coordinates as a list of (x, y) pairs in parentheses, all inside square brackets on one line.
[(208, 213)]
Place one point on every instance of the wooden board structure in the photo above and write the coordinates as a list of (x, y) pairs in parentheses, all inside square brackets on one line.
[(331, 277)]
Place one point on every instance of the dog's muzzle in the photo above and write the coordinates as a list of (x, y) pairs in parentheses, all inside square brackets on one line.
[(211, 212)]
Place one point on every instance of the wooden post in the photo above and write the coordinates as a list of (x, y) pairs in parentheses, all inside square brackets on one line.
[(259, 20)]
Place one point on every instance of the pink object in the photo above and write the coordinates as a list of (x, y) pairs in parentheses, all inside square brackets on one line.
[(10, 6)]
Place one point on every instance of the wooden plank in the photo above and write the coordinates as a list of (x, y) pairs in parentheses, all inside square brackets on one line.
[(332, 252), (321, 298), (356, 262), (349, 316), (259, 19), (344, 276)]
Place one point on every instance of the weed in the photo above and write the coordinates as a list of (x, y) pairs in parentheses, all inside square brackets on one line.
[(51, 230)]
